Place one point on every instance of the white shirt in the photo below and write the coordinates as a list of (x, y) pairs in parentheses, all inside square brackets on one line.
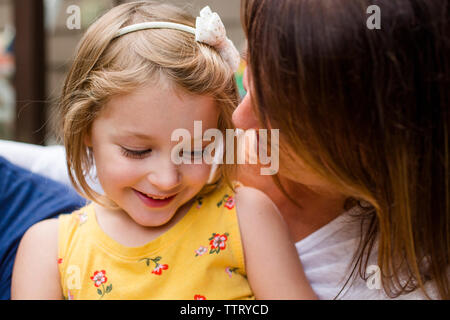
[(327, 256)]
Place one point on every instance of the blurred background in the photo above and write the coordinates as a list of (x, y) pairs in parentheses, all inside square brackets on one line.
[(37, 44)]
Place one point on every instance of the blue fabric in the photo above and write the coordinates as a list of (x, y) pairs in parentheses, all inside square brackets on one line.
[(25, 199)]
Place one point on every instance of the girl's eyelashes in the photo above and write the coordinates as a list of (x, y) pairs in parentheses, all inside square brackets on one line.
[(140, 154), (135, 154), (192, 154)]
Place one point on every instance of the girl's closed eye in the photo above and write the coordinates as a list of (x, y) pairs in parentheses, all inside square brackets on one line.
[(195, 154), (135, 154)]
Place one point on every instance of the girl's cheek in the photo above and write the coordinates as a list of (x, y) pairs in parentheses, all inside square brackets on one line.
[(196, 172), (121, 171)]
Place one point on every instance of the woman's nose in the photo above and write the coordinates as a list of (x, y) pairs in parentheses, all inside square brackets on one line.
[(243, 116)]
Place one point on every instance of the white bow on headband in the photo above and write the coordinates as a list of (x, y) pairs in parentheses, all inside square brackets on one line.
[(209, 29)]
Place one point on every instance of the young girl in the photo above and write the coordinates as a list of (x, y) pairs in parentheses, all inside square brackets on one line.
[(161, 230)]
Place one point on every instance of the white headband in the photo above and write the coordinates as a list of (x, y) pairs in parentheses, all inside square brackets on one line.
[(209, 29)]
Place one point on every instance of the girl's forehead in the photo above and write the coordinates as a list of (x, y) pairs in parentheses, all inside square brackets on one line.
[(153, 110)]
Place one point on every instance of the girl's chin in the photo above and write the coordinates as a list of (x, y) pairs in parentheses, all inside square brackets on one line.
[(154, 220)]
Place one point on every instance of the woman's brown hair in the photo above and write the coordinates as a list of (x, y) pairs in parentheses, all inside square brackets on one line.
[(369, 111)]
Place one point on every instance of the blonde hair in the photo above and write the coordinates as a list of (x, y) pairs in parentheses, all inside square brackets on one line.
[(105, 67)]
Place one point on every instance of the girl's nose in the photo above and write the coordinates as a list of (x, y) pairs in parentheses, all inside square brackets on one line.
[(166, 177)]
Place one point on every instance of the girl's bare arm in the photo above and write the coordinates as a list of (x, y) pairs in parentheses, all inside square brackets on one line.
[(273, 267), (35, 273)]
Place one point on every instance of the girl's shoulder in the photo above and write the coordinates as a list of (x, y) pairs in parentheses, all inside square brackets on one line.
[(40, 240), (257, 212), (252, 202), (44, 232), (39, 251), (35, 266)]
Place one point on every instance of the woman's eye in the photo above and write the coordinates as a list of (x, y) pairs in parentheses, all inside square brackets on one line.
[(135, 154)]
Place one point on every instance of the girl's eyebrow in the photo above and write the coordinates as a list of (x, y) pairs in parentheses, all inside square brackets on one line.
[(137, 135)]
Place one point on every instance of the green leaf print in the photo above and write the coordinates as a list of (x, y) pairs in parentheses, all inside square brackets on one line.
[(158, 267), (224, 199), (199, 202), (213, 235)]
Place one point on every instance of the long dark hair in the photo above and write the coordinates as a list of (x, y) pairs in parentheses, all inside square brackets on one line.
[(369, 110)]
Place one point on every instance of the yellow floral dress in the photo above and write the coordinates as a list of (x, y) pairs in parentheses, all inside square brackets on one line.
[(201, 257)]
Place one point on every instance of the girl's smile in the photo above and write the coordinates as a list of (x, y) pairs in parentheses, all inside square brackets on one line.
[(153, 201)]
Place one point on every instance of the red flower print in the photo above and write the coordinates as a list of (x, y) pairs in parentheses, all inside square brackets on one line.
[(229, 204), (218, 242), (159, 268), (199, 297), (60, 260), (224, 199), (99, 278)]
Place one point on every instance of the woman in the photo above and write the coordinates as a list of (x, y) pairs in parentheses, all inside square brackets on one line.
[(364, 139)]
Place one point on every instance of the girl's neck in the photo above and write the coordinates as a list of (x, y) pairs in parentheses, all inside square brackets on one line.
[(119, 226)]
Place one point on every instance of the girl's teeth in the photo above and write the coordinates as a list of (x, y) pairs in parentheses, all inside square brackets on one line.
[(157, 198)]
